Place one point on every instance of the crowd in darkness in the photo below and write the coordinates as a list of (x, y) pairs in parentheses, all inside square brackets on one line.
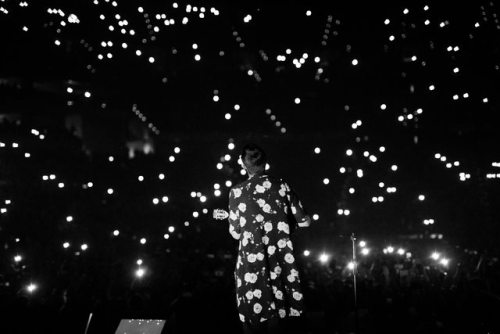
[(189, 279)]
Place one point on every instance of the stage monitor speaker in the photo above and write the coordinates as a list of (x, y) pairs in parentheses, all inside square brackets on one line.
[(140, 326)]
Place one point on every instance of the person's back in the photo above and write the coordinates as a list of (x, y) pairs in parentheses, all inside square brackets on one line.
[(267, 279)]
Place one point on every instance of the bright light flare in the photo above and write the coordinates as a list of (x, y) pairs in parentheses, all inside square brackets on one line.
[(323, 258)]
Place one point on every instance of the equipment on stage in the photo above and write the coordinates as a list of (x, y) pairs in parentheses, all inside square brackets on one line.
[(140, 326)]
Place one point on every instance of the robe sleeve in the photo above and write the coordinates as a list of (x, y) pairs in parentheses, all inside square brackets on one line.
[(234, 224), (295, 205)]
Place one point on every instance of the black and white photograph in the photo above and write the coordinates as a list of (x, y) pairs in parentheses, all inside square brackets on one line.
[(249, 167)]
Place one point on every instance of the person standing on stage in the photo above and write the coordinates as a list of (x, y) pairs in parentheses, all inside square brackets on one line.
[(262, 211)]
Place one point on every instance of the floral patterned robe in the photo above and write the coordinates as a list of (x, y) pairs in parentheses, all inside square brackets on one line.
[(267, 280)]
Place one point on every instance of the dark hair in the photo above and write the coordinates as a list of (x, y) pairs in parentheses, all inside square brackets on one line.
[(254, 158)]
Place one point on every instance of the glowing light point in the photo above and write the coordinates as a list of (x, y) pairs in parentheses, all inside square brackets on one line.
[(31, 288), (324, 257), (140, 272), (444, 261)]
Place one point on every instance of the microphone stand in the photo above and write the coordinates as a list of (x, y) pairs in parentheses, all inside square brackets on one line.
[(354, 273)]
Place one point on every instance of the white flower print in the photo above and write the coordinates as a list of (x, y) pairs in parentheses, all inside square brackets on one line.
[(296, 295), (271, 250), (246, 236), (249, 295), (289, 258), (235, 234), (294, 312), (242, 207), (248, 277), (294, 210), (262, 319), (265, 235), (233, 215), (260, 189), (282, 226), (253, 278)]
